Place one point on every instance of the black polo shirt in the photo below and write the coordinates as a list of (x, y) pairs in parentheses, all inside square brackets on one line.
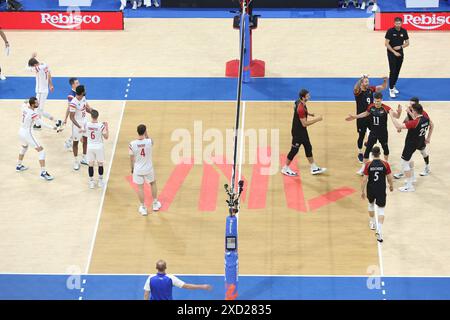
[(397, 38)]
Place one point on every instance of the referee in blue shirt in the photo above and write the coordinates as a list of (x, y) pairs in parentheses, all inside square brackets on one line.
[(159, 286)]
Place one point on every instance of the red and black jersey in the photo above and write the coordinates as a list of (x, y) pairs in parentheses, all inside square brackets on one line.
[(417, 129), (300, 112), (364, 98), (379, 117), (377, 170)]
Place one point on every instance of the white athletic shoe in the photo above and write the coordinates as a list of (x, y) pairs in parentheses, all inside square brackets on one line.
[(426, 171), (134, 6), (83, 161), (372, 225), (360, 172), (148, 5), (379, 237), (156, 205), (407, 188), (76, 166), (20, 168), (156, 4), (139, 4), (318, 170), (91, 184), (143, 210), (100, 183), (363, 5), (288, 172), (375, 7), (396, 90), (392, 93), (398, 175), (46, 176), (2, 77), (122, 7)]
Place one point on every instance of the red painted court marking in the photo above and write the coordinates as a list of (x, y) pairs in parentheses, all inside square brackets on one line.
[(171, 187), (293, 189), (330, 197), (209, 189), (260, 182), (226, 169)]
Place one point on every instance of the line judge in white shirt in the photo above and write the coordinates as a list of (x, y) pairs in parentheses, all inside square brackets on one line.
[(140, 151), (43, 84), (160, 285)]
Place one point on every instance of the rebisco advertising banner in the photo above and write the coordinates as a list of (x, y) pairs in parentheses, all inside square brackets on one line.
[(41, 20), (419, 21)]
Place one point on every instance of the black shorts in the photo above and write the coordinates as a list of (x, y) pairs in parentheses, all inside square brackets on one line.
[(302, 139), (362, 125), (411, 147), (377, 196)]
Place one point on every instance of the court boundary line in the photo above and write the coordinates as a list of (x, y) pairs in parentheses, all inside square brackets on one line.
[(221, 275), (102, 201)]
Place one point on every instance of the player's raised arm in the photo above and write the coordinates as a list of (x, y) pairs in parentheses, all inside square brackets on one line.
[(357, 87), (358, 116), (307, 123), (398, 126), (396, 114), (383, 86)]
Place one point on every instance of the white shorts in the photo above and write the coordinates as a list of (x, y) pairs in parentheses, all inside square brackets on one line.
[(95, 154), (140, 179), (42, 98), (76, 134), (27, 139)]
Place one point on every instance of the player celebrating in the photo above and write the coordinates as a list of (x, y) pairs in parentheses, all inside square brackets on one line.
[(43, 83), (378, 113), (300, 136), (363, 92), (78, 108), (95, 132), (426, 158), (30, 116), (415, 140), (375, 174), (74, 83), (140, 152)]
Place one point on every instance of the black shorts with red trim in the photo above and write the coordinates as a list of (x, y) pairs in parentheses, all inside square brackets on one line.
[(410, 147)]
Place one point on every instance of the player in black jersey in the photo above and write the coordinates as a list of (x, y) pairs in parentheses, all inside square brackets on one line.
[(377, 114), (363, 93), (426, 157), (376, 172), (415, 140), (300, 136)]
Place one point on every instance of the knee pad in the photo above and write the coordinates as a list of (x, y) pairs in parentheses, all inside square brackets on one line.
[(23, 150), (42, 155), (371, 207), (405, 165), (424, 152), (381, 212)]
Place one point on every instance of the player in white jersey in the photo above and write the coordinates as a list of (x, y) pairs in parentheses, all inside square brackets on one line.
[(96, 132), (74, 83), (30, 116), (43, 84), (140, 151), (78, 108)]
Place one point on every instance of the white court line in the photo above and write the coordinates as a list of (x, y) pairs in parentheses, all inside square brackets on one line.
[(221, 275), (105, 187)]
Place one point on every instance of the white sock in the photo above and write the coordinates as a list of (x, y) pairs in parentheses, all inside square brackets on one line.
[(380, 228), (84, 157), (43, 169), (76, 158), (19, 162), (314, 166), (372, 219)]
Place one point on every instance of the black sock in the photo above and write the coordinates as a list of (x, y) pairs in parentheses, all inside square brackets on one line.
[(100, 170), (91, 171), (427, 160)]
